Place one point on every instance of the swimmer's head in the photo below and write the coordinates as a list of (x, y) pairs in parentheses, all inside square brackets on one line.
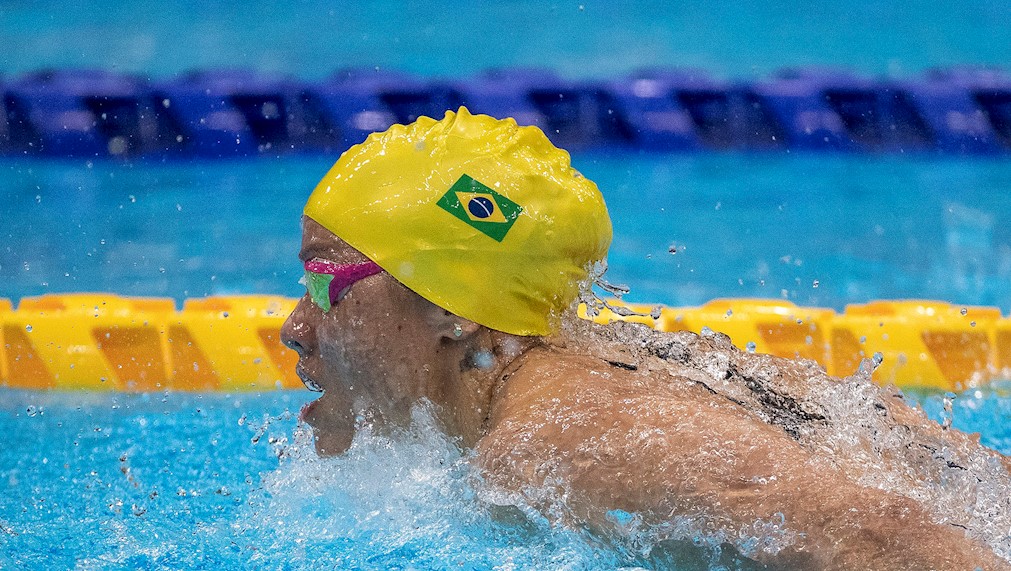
[(480, 216)]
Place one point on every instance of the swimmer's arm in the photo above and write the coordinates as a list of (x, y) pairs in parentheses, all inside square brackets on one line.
[(931, 436), (795, 379), (692, 457)]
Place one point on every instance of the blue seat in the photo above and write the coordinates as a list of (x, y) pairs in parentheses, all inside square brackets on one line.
[(78, 113), (945, 108), (353, 103), (5, 141), (671, 109), (991, 90), (225, 113), (575, 116), (506, 93), (810, 109)]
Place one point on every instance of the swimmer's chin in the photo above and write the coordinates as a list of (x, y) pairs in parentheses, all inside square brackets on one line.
[(332, 430), (329, 444)]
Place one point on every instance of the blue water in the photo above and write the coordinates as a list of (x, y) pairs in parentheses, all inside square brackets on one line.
[(578, 38), (817, 230), (176, 481), (109, 481), (115, 481)]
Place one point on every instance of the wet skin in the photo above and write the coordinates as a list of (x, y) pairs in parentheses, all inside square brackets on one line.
[(618, 428), (382, 348)]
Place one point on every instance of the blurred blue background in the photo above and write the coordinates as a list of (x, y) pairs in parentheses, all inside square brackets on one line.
[(824, 229), (578, 38)]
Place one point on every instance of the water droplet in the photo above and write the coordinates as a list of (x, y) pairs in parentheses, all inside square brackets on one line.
[(118, 145), (815, 283), (656, 312), (673, 248), (32, 410), (751, 346), (878, 359), (948, 415), (707, 331), (972, 324), (484, 360), (964, 311), (730, 312)]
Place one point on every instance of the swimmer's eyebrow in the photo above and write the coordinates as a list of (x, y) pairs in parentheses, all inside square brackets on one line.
[(311, 253), (314, 252)]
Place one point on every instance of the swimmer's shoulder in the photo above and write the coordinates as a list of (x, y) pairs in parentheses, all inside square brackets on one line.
[(547, 371), (550, 378)]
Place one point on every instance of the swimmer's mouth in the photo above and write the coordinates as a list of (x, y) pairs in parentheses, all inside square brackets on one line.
[(307, 380)]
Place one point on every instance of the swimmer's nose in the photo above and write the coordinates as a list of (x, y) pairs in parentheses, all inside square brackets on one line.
[(296, 331)]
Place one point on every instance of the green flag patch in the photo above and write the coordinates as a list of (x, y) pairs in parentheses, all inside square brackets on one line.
[(480, 207)]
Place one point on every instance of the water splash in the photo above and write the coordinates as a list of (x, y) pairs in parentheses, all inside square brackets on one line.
[(948, 416), (594, 304), (407, 499), (852, 424)]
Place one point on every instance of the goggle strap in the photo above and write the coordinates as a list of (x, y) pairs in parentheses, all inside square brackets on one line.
[(352, 274)]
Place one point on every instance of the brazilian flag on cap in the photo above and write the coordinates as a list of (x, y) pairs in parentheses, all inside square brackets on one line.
[(480, 207), (482, 263)]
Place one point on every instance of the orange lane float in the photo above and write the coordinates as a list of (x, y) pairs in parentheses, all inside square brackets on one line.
[(108, 342)]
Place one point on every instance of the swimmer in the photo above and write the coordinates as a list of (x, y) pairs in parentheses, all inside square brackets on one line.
[(443, 261)]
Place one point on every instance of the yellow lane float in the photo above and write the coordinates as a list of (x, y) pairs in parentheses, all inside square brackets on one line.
[(108, 342), (922, 344)]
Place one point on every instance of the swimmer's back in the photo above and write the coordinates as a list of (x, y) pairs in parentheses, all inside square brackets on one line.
[(626, 433)]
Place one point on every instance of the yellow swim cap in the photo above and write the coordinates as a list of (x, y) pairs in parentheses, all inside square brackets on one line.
[(480, 216)]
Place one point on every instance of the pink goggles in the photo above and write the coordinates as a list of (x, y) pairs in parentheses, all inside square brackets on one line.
[(328, 282)]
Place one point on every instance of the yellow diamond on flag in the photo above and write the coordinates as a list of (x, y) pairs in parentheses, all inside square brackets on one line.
[(481, 207)]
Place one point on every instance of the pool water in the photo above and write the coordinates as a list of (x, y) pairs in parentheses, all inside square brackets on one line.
[(198, 481), (582, 38), (185, 480), (120, 481), (152, 481), (813, 229)]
